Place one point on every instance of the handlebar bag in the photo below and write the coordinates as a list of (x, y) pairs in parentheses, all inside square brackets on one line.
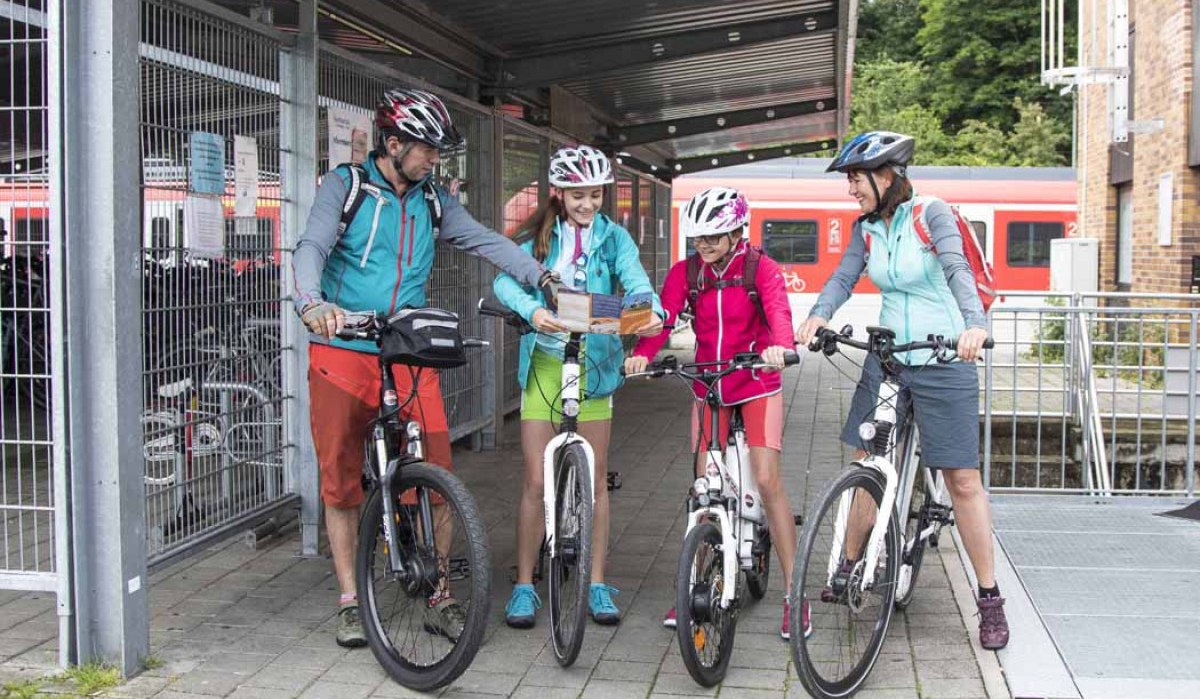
[(423, 337)]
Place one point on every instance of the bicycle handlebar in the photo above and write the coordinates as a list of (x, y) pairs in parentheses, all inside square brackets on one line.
[(669, 366), (880, 343), (368, 325)]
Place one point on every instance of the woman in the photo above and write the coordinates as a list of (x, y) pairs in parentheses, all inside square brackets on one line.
[(727, 321), (925, 291), (589, 252)]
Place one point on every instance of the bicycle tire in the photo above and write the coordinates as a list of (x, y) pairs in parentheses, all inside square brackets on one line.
[(759, 575), (573, 515), (810, 577), (917, 520), (696, 600), (406, 670)]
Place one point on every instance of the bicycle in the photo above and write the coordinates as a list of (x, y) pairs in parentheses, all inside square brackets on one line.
[(727, 539), (847, 588), (569, 468), (420, 530)]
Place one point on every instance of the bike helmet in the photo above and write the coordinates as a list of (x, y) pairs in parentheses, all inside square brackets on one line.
[(417, 115), (874, 149), (715, 210), (579, 166)]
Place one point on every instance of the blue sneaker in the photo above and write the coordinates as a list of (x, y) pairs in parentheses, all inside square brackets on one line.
[(604, 612), (522, 606)]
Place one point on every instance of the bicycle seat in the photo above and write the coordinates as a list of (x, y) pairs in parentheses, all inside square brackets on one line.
[(175, 388)]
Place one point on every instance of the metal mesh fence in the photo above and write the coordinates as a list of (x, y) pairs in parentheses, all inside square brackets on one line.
[(26, 460), (212, 300), (525, 159)]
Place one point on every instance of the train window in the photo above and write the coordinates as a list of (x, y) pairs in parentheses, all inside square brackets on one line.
[(30, 236), (790, 242), (245, 241), (980, 234), (160, 234), (1029, 242)]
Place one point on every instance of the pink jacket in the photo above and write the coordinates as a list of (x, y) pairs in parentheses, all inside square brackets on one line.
[(727, 322)]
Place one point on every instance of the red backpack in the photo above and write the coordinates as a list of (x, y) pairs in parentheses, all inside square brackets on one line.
[(985, 280)]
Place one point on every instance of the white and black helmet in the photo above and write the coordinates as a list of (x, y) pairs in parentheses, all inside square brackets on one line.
[(715, 210), (417, 115), (579, 166)]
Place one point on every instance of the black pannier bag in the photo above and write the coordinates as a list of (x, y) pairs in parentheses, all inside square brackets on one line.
[(423, 337)]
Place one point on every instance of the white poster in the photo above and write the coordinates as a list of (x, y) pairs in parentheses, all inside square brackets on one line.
[(349, 136), (204, 225), (245, 175), (1166, 185)]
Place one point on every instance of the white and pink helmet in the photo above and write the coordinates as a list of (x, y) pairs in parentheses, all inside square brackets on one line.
[(715, 210), (579, 166)]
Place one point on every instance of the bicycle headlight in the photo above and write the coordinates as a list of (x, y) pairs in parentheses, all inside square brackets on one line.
[(413, 430), (866, 431)]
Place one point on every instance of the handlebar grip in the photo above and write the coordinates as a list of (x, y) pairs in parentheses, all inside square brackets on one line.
[(989, 343), (488, 307), (791, 358)]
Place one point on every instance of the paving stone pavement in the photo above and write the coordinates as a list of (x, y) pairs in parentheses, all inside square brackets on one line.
[(236, 622)]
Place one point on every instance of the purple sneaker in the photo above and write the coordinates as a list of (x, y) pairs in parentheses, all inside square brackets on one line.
[(993, 626)]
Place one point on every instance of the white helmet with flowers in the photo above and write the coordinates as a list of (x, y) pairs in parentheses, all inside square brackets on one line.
[(715, 210), (579, 166)]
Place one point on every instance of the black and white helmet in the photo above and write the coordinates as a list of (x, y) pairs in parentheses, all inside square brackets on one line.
[(417, 115), (715, 210), (579, 166)]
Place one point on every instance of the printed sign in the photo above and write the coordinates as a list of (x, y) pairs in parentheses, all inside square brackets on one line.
[(835, 236), (349, 136), (204, 226), (245, 176), (206, 154)]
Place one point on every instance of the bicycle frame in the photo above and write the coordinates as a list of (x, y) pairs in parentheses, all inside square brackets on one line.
[(567, 435)]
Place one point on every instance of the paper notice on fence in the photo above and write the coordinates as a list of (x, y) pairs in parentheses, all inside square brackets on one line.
[(245, 176), (349, 136), (603, 313), (206, 155), (204, 226)]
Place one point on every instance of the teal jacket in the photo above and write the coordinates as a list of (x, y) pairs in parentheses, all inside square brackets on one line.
[(923, 294), (613, 254)]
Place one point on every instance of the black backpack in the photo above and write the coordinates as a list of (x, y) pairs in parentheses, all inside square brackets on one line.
[(697, 282), (360, 186)]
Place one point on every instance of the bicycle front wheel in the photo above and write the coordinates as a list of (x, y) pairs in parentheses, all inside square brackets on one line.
[(849, 617), (425, 622), (704, 628), (571, 565)]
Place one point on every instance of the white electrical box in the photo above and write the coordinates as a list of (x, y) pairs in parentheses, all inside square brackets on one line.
[(1074, 265)]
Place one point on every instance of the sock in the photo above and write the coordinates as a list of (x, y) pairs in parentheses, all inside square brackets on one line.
[(985, 592), (348, 600)]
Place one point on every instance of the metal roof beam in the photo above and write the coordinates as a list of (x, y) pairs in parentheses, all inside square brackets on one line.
[(677, 128), (580, 63), (683, 166)]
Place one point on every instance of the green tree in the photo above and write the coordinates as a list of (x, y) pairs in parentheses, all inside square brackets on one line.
[(1037, 138), (888, 29)]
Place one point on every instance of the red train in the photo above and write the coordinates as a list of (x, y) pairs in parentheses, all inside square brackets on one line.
[(803, 217)]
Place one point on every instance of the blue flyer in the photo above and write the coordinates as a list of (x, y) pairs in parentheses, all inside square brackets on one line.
[(206, 154)]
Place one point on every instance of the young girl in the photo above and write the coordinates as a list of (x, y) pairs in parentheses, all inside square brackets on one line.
[(589, 252), (727, 321)]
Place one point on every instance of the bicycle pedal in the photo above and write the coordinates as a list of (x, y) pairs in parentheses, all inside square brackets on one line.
[(799, 520), (614, 480)]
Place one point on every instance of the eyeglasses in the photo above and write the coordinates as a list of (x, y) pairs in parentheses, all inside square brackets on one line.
[(708, 241), (580, 278)]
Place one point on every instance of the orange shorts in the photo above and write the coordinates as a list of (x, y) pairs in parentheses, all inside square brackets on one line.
[(343, 391), (763, 418)]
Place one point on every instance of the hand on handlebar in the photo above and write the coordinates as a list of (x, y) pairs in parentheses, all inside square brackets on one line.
[(808, 329), (635, 364), (970, 344), (773, 356), (546, 322), (324, 319)]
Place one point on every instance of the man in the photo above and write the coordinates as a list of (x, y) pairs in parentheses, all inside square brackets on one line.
[(380, 261)]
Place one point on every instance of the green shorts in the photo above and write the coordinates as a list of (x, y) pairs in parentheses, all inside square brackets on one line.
[(540, 400)]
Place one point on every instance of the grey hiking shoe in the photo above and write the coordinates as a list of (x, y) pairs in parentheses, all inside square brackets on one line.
[(445, 617), (350, 630)]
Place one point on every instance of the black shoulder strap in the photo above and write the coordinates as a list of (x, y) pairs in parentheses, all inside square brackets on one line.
[(355, 195), (434, 202), (693, 281)]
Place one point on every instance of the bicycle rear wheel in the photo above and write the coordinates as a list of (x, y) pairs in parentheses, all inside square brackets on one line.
[(571, 566), (425, 623), (704, 629), (849, 623)]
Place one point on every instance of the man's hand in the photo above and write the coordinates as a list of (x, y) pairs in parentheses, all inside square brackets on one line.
[(635, 364), (323, 318), (546, 322), (970, 344), (808, 329), (773, 355), (652, 328)]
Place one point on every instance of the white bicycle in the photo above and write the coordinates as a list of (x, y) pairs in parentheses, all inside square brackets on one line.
[(569, 470), (855, 563), (727, 539)]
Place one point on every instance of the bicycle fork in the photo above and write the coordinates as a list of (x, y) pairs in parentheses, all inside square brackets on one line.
[(549, 491)]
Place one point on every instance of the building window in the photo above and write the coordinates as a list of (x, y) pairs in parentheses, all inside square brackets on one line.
[(1125, 235), (1029, 243), (791, 242)]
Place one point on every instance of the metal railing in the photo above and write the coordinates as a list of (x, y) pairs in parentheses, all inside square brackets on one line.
[(1091, 398)]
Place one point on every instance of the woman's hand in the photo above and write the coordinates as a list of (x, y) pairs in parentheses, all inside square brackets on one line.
[(970, 344), (773, 355), (546, 322), (635, 364), (808, 329), (651, 328)]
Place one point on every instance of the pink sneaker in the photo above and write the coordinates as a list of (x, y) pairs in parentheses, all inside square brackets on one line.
[(993, 626), (805, 618), (669, 619)]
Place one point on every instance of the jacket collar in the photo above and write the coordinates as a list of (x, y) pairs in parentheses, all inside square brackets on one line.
[(376, 177)]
